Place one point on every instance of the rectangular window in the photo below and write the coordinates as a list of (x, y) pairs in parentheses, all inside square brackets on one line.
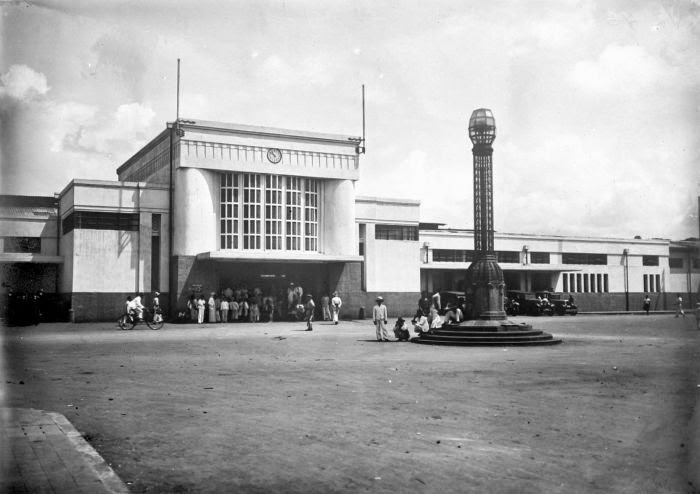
[(599, 282), (539, 257), (585, 283), (605, 283), (362, 238), (572, 282), (658, 282), (650, 260), (228, 212), (396, 232), (579, 258), (646, 283), (273, 212), (578, 282), (508, 256), (99, 220), (696, 262), (252, 211), (293, 204), (311, 216), (565, 280), (675, 262), (23, 245), (452, 255)]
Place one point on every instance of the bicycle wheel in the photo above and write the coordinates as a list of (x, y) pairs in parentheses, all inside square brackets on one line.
[(125, 322), (154, 321)]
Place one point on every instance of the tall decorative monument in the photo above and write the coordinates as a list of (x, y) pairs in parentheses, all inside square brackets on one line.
[(484, 276), (485, 286)]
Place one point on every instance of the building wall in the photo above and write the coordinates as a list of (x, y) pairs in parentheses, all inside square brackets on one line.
[(389, 265), (195, 211), (530, 276)]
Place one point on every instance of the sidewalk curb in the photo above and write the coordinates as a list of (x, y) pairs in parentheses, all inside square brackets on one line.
[(96, 465)]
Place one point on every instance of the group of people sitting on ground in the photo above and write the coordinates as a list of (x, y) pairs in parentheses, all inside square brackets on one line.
[(426, 319)]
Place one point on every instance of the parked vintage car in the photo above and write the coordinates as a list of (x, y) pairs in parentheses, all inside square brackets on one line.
[(561, 306), (527, 303)]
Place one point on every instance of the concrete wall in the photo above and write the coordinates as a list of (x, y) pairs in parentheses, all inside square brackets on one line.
[(107, 306), (196, 211), (338, 218)]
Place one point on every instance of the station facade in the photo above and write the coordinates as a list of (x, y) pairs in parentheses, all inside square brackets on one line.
[(207, 206)]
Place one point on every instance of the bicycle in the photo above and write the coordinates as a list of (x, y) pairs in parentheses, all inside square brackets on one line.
[(129, 321)]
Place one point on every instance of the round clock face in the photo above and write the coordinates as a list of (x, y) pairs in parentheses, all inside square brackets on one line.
[(274, 155)]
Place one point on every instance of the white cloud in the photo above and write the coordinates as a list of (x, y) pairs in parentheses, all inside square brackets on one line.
[(619, 70), (23, 82)]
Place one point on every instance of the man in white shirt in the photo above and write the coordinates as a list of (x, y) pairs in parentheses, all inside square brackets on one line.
[(336, 303)]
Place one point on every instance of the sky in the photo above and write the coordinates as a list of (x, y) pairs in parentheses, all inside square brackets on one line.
[(597, 103)]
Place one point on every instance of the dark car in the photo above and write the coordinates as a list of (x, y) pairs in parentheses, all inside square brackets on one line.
[(527, 304), (560, 305)]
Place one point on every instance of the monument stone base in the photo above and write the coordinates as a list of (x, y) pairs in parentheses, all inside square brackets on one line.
[(486, 332)]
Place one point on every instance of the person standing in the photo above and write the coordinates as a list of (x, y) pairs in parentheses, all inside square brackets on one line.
[(234, 308), (380, 316), (192, 307), (201, 303), (310, 308), (646, 303), (224, 309), (325, 307), (679, 306), (336, 303), (211, 304)]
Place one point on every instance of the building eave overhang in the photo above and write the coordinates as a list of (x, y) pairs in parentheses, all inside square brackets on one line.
[(7, 258), (252, 256)]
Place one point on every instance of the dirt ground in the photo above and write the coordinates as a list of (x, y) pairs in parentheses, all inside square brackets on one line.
[(271, 408)]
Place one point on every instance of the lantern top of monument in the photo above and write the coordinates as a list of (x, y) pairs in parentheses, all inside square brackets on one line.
[(482, 126)]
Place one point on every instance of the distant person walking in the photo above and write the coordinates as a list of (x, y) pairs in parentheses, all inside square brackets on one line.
[(336, 303), (679, 306), (310, 308), (646, 303), (325, 307), (379, 315)]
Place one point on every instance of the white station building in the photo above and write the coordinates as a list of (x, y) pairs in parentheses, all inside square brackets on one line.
[(207, 206)]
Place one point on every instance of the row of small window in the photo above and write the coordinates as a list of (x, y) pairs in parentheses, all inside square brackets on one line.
[(504, 256), (585, 282), (99, 220), (268, 212), (395, 232), (679, 262), (21, 245)]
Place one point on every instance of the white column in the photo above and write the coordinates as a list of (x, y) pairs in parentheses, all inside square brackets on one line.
[(339, 236), (196, 211)]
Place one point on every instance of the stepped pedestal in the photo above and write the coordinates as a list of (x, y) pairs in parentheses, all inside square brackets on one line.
[(485, 333)]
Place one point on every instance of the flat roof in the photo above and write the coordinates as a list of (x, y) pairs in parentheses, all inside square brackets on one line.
[(263, 130)]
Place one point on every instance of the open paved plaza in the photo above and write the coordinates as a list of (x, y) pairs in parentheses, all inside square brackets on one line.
[(271, 408)]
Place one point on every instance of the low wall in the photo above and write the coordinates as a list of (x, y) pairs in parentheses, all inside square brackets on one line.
[(91, 306)]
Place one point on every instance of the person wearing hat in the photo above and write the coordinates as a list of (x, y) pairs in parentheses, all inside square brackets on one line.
[(310, 307), (379, 315)]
